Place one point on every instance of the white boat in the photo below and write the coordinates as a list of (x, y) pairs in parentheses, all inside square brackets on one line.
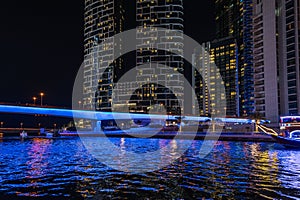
[(23, 134), (55, 133), (289, 132)]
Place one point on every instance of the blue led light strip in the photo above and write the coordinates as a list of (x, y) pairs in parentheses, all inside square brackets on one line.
[(82, 114), (94, 115)]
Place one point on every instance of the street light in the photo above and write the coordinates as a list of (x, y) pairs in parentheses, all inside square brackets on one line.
[(42, 94), (21, 124), (2, 124), (34, 100)]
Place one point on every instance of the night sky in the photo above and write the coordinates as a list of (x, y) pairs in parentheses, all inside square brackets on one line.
[(42, 45)]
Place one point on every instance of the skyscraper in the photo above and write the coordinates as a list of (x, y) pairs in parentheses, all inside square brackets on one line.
[(265, 53), (234, 18), (289, 60), (102, 20), (156, 14), (223, 54), (276, 58)]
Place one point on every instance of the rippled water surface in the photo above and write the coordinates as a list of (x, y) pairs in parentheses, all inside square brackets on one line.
[(64, 169)]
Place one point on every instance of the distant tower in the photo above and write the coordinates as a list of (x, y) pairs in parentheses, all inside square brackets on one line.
[(159, 14), (102, 20), (223, 54), (234, 18)]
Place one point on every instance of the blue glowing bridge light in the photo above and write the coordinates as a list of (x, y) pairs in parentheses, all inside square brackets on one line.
[(95, 115), (82, 114), (235, 120)]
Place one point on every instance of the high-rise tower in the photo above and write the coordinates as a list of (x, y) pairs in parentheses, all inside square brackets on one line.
[(289, 60), (156, 14), (102, 20), (223, 54), (234, 19), (276, 58), (265, 54)]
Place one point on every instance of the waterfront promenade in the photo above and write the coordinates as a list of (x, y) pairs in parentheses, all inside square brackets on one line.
[(233, 129), (13, 133)]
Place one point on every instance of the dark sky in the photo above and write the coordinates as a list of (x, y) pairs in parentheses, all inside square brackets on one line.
[(42, 45)]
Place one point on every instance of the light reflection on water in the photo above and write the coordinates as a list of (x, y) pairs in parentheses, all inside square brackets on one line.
[(64, 169)]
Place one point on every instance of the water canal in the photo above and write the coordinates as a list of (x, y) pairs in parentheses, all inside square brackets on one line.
[(64, 169)]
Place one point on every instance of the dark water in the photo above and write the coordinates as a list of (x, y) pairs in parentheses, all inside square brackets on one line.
[(63, 169)]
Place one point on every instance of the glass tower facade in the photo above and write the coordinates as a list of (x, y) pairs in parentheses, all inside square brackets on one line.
[(234, 19), (222, 53), (102, 20), (154, 85)]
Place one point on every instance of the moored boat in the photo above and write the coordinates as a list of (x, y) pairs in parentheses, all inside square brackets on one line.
[(289, 132), (23, 135), (291, 142)]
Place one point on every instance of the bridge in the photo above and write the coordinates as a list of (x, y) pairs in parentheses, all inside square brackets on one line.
[(90, 115), (98, 116)]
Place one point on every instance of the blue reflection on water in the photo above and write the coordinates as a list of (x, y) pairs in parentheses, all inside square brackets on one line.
[(65, 169)]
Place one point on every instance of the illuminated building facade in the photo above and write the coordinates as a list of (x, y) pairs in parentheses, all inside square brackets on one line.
[(102, 20), (202, 78), (223, 54), (265, 54), (276, 58), (153, 85), (289, 72), (234, 19)]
